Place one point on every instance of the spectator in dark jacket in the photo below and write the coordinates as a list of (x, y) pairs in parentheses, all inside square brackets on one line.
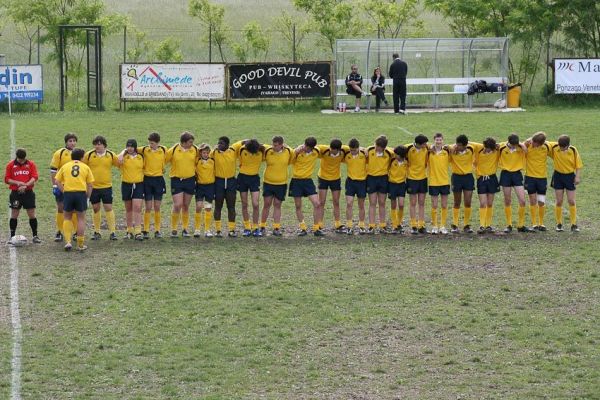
[(378, 88), (354, 82), (398, 72)]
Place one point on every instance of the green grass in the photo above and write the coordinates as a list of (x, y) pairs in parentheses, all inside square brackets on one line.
[(339, 317)]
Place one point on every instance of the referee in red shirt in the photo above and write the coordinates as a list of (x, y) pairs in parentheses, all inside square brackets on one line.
[(21, 174)]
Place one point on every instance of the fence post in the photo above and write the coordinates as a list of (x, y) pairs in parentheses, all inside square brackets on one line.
[(38, 60), (294, 42), (209, 43), (124, 44)]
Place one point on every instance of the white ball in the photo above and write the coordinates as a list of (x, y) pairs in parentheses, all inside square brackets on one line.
[(18, 240)]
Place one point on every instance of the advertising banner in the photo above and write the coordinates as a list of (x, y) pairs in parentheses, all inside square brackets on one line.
[(22, 82), (576, 76)]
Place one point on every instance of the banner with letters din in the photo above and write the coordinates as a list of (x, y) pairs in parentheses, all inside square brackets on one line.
[(166, 82), (279, 80), (576, 76), (22, 82)]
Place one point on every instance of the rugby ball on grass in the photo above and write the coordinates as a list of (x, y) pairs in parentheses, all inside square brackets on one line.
[(18, 240)]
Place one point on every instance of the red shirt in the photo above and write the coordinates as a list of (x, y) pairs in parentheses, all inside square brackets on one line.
[(20, 172)]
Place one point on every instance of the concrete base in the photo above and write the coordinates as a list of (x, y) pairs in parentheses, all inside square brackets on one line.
[(427, 110)]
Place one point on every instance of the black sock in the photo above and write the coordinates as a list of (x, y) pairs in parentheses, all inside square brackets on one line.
[(33, 225), (13, 226)]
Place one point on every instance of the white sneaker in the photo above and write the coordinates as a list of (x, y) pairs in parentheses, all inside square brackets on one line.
[(208, 234), (443, 230), (434, 230), (357, 109), (197, 233)]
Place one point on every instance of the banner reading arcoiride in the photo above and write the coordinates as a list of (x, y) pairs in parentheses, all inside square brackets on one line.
[(165, 82)]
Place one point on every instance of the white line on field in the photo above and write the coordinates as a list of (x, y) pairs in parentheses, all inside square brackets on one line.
[(15, 391), (406, 131)]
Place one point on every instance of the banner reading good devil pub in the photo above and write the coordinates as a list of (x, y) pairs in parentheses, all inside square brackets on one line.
[(279, 80)]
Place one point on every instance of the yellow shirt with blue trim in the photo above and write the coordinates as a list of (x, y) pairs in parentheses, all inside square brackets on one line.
[(154, 160), (536, 165), (249, 163), (378, 164), (356, 165), (60, 158), (225, 162), (398, 171), (276, 172), (438, 164), (75, 176), (486, 162), (101, 166), (512, 159), (417, 162), (183, 162), (331, 165), (303, 164), (205, 171), (132, 168), (462, 162), (566, 161)]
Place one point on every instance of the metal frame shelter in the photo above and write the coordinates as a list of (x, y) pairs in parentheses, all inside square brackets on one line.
[(439, 69), (94, 64)]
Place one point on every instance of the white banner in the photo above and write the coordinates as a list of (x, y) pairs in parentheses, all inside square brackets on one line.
[(172, 81), (578, 75), (23, 82)]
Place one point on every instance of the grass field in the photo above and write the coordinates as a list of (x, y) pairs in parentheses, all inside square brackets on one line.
[(383, 317)]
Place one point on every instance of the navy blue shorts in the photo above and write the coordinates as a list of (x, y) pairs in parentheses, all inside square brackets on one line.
[(74, 201), (187, 185), (334, 185), (416, 186), (462, 182), (248, 183), (102, 195), (302, 187), (356, 188), (511, 179), (396, 190), (154, 188), (130, 191), (377, 184), (536, 185), (205, 192), (563, 181), (277, 191), (488, 184), (223, 185), (58, 195), (443, 190)]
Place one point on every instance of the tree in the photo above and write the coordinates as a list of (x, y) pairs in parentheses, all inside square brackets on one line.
[(581, 25), (294, 31), (394, 17), (168, 51), (141, 47), (212, 17), (255, 42)]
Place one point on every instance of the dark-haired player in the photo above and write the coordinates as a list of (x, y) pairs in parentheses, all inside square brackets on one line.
[(566, 176), (379, 158), (330, 178), (439, 183), (132, 188), (512, 162), (278, 157), (356, 184), (155, 159), (462, 158), (60, 158), (225, 184), (397, 187), (250, 156), (416, 183), (205, 191), (536, 177), (486, 162)]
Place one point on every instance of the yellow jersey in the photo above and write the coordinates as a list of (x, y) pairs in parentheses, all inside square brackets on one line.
[(486, 162), (356, 165), (154, 160), (249, 163), (535, 160), (75, 176), (379, 164), (511, 160), (438, 166), (303, 164), (183, 162), (276, 172), (331, 165), (462, 163), (398, 171), (205, 171), (567, 161), (101, 166), (60, 158), (417, 162), (225, 162), (132, 169)]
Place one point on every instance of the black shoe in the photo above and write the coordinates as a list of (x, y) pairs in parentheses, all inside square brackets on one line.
[(318, 232), (58, 237), (185, 233), (525, 229), (371, 231), (542, 228), (302, 232), (341, 229), (174, 234), (219, 234), (232, 234), (559, 228), (414, 230), (263, 231), (489, 229), (508, 229), (157, 235), (481, 230), (113, 236), (422, 230), (146, 235), (96, 236), (277, 232), (139, 237), (574, 228), (467, 229), (453, 229)]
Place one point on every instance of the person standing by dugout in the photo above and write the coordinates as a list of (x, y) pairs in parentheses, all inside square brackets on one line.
[(398, 72)]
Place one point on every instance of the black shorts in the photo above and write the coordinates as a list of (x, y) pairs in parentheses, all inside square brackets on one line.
[(75, 201), (205, 192), (356, 188), (186, 185), (104, 195), (536, 185), (248, 183), (130, 191), (59, 196), (443, 190), (563, 181), (334, 185), (377, 184), (223, 185), (415, 186), (302, 187), (396, 190), (24, 200), (277, 191), (462, 182), (154, 188), (350, 90), (488, 184), (511, 178)]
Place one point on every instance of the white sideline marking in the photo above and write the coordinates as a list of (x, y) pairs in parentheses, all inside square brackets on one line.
[(406, 131), (15, 387)]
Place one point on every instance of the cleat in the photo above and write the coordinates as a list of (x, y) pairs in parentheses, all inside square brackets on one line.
[(443, 230), (535, 228), (542, 228), (232, 234), (82, 248), (414, 230), (74, 237), (341, 229), (362, 231), (263, 231), (158, 235), (371, 231), (318, 232), (574, 228), (247, 233), (524, 229), (481, 230), (139, 237), (559, 228), (208, 234), (197, 233), (422, 230), (454, 229), (219, 234), (434, 230), (508, 229), (129, 235), (301, 233), (96, 236), (467, 229), (489, 229), (36, 240), (68, 246), (257, 233), (277, 232), (349, 231), (146, 235), (185, 233), (174, 234), (113, 236), (58, 237)]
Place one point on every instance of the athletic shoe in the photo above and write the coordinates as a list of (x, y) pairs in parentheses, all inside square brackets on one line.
[(197, 233), (574, 228), (414, 230), (371, 231), (58, 237), (174, 234), (219, 234), (157, 235), (508, 229), (542, 228), (341, 229), (277, 232), (362, 231), (84, 247), (434, 230), (232, 234), (96, 236), (318, 232), (382, 231), (68, 247), (467, 229), (129, 235), (247, 233), (422, 230), (535, 228), (74, 237), (139, 237), (257, 233), (113, 236), (349, 231), (263, 231), (524, 229), (453, 229), (443, 230), (481, 230), (396, 231), (302, 232), (559, 228), (357, 109), (185, 233), (146, 235), (36, 240), (208, 234), (489, 229)]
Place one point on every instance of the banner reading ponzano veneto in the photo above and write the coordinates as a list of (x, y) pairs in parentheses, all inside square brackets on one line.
[(23, 82), (280, 80), (575, 76), (172, 81)]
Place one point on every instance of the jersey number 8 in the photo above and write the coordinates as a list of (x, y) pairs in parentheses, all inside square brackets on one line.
[(75, 171)]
